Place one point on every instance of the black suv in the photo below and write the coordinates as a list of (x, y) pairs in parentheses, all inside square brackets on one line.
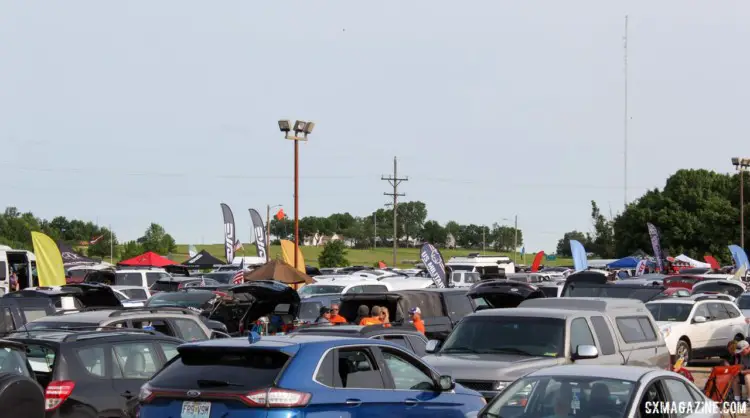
[(94, 373), (405, 335)]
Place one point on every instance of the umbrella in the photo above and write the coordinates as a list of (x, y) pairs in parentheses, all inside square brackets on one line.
[(280, 271)]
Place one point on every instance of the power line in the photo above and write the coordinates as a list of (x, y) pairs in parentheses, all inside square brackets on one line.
[(394, 182), (147, 174)]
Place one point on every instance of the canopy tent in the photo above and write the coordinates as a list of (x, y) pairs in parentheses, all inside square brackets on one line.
[(624, 263), (280, 271), (203, 260), (71, 258), (694, 263), (147, 259)]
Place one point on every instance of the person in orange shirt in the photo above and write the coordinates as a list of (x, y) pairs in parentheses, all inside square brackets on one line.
[(416, 319), (374, 318), (335, 317)]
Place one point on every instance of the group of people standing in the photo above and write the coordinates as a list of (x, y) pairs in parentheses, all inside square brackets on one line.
[(377, 315)]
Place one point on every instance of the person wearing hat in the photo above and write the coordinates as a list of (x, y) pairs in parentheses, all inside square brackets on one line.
[(743, 353), (416, 319), (374, 318), (325, 316)]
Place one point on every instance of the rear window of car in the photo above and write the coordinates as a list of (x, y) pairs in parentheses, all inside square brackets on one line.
[(243, 370), (458, 305), (41, 358), (128, 279), (166, 286), (635, 329)]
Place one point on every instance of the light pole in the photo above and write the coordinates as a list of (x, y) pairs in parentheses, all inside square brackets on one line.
[(268, 230), (301, 130), (741, 164)]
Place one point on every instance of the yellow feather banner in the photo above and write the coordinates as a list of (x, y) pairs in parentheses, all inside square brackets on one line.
[(287, 253), (49, 262)]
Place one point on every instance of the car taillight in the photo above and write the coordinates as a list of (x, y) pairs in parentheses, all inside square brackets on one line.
[(145, 394), (56, 393), (747, 320), (277, 398)]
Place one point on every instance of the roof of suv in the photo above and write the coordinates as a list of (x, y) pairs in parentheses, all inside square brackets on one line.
[(99, 315), (533, 312), (61, 336)]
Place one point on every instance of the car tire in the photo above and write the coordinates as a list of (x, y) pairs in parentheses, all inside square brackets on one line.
[(21, 395), (683, 350)]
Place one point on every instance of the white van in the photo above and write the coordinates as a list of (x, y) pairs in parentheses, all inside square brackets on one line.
[(22, 262), (483, 264)]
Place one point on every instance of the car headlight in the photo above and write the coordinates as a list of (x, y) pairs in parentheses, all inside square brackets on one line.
[(666, 331), (500, 386)]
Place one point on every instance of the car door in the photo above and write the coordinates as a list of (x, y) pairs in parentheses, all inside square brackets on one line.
[(607, 350), (722, 325), (580, 334), (681, 395), (650, 398), (737, 321), (415, 388), (700, 334), (134, 362), (359, 383)]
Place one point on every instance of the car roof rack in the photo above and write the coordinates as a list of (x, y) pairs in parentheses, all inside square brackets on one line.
[(153, 309), (87, 309), (106, 332), (713, 297), (393, 326)]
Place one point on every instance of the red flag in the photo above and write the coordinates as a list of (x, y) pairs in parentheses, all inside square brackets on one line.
[(712, 261), (381, 265), (280, 214), (537, 261)]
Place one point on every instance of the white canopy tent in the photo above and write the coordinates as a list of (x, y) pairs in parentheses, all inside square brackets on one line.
[(695, 263)]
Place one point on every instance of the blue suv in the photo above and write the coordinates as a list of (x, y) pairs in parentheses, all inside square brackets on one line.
[(301, 376)]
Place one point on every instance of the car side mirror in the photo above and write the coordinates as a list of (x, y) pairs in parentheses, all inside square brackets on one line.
[(432, 346), (699, 319), (585, 352), (446, 383)]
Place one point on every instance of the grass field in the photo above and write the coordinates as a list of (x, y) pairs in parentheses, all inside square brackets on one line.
[(406, 256)]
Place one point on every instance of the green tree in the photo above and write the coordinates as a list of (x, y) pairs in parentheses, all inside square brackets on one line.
[(504, 238), (102, 247), (603, 242), (340, 222), (563, 245), (157, 240), (131, 249), (333, 255), (282, 229), (452, 228), (696, 213), (411, 219), (434, 233)]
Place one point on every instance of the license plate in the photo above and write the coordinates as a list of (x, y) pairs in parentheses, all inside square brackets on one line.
[(192, 409)]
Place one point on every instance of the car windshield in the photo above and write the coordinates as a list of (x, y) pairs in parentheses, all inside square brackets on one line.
[(192, 299), (563, 396), (670, 312), (320, 289), (508, 335), (744, 302)]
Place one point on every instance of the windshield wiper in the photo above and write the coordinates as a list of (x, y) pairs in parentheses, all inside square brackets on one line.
[(511, 350), (459, 349), (206, 383)]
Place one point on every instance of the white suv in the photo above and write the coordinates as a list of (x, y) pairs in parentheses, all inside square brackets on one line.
[(698, 327)]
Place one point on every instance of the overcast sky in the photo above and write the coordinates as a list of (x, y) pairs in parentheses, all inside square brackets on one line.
[(156, 111)]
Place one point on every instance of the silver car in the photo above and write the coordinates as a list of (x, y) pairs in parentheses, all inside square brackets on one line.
[(602, 391)]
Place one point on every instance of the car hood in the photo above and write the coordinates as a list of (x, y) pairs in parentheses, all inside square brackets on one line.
[(500, 367)]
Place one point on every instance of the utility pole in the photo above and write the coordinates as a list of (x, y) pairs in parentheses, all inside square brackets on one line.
[(111, 244), (394, 182), (625, 127), (375, 230)]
